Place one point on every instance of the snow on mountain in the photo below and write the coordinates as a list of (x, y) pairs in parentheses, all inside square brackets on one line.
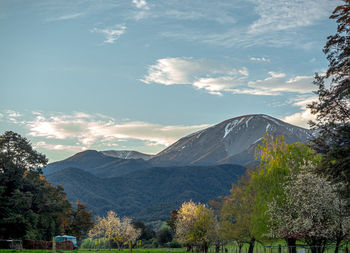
[(231, 141)]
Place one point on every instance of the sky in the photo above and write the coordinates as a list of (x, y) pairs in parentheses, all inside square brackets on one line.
[(140, 74)]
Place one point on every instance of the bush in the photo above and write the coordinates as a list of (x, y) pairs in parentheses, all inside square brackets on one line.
[(174, 244)]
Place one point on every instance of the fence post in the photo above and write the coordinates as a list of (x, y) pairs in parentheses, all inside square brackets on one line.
[(53, 244), (346, 249), (279, 248)]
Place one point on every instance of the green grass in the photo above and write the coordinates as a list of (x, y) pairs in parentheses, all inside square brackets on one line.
[(158, 250)]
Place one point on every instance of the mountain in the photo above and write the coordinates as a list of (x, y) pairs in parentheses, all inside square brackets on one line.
[(200, 166), (127, 154), (231, 141), (98, 164), (149, 194)]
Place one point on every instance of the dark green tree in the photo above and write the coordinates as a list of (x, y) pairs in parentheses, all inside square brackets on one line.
[(81, 221), (332, 109), (30, 208), (147, 233), (164, 236)]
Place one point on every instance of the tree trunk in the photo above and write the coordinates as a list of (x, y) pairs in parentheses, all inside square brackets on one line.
[(240, 246), (337, 246), (291, 243), (217, 248), (251, 245)]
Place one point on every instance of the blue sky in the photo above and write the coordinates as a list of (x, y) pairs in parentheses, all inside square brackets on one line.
[(140, 74)]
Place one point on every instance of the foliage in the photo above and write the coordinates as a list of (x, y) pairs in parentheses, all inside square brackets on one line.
[(278, 161), (236, 214), (312, 210), (194, 225), (164, 236), (81, 221), (129, 195), (332, 109), (147, 233), (30, 208), (113, 228)]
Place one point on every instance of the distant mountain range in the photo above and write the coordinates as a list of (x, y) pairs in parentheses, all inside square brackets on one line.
[(200, 166)]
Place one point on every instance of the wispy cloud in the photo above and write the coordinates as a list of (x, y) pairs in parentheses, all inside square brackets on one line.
[(84, 130), (111, 34), (217, 78), (289, 14), (276, 83), (259, 59), (65, 17), (211, 76), (278, 25)]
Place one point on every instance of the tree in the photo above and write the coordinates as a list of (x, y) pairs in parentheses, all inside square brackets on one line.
[(81, 221), (236, 215), (312, 210), (277, 161), (30, 208), (332, 109), (194, 225), (172, 220), (113, 228), (147, 233), (164, 236)]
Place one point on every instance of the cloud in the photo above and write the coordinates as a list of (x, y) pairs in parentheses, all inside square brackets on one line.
[(276, 83), (289, 14), (304, 116), (211, 76), (216, 78), (140, 4), (66, 17), (261, 59), (277, 24), (112, 34), (87, 130), (69, 148)]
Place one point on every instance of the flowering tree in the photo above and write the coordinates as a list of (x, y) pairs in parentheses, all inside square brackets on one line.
[(311, 210), (195, 225), (114, 228)]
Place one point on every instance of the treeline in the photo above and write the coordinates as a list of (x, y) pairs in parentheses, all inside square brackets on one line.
[(30, 207)]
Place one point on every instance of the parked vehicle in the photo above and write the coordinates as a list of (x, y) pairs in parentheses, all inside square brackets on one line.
[(63, 238)]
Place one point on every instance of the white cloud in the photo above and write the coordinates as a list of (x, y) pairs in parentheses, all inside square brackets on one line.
[(216, 78), (259, 59), (140, 4), (66, 17), (304, 116), (88, 130), (112, 34), (276, 83), (211, 76)]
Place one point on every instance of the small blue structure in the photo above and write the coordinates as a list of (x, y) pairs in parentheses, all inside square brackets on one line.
[(63, 238)]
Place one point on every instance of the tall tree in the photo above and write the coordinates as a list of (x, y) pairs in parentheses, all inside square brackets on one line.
[(30, 207), (332, 109), (81, 221), (236, 215)]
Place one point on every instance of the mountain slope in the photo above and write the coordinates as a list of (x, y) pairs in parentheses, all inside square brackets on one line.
[(231, 141), (147, 194), (127, 154), (98, 164)]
